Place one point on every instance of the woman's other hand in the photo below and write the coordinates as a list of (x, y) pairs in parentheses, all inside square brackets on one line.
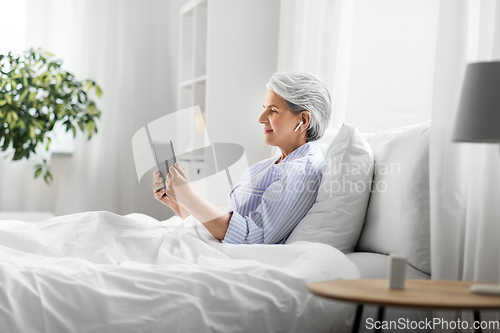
[(163, 197), (160, 193), (158, 182), (178, 187)]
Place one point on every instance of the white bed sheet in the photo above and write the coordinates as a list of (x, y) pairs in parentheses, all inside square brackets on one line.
[(101, 272)]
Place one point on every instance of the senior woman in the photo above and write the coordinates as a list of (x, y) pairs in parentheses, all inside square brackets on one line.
[(273, 195)]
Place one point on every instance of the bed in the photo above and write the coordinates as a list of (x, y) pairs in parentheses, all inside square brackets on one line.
[(101, 272)]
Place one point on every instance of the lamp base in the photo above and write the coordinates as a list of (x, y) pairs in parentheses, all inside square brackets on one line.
[(485, 289)]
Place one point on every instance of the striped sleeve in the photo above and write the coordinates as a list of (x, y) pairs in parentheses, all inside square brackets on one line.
[(283, 204)]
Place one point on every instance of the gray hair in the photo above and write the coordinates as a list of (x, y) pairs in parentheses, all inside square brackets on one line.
[(305, 92)]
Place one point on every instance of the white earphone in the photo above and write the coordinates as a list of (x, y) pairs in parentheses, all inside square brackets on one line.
[(296, 128)]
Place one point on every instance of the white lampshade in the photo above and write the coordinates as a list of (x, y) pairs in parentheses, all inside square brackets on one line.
[(478, 118)]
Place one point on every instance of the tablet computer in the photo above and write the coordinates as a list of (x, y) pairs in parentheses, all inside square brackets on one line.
[(163, 154)]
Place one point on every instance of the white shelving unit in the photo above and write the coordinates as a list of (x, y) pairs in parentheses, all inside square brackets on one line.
[(192, 82), (228, 50)]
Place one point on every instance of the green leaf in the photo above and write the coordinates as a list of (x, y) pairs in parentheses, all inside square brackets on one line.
[(38, 171), (18, 154), (21, 125), (6, 143), (25, 79), (88, 84), (98, 91), (58, 78), (32, 97), (44, 74), (47, 177), (23, 95), (48, 53), (90, 129), (8, 99), (91, 109), (38, 124), (32, 131)]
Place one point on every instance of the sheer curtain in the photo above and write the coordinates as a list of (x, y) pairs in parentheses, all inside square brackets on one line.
[(315, 38), (128, 47), (421, 50), (376, 57), (465, 177)]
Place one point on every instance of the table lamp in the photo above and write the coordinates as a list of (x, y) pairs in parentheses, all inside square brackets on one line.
[(478, 119)]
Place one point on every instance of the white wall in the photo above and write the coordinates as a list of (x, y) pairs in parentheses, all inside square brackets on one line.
[(391, 74), (13, 32), (242, 57)]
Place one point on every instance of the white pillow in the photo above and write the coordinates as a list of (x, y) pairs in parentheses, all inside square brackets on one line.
[(397, 219), (337, 216)]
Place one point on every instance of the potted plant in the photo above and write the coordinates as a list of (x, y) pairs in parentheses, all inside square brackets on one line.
[(35, 95)]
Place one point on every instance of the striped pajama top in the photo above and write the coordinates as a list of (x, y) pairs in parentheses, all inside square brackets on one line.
[(270, 199)]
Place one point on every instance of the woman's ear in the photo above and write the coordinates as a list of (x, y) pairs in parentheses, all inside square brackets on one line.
[(305, 116)]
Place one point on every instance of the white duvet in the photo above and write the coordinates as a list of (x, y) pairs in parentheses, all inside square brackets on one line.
[(101, 272)]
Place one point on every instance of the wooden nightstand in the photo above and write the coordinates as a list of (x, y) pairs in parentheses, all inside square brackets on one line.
[(430, 294)]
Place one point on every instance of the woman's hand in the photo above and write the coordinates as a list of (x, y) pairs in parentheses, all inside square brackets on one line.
[(178, 186), (159, 191), (158, 183)]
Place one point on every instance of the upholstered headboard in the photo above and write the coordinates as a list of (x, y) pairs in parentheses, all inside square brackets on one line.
[(398, 214)]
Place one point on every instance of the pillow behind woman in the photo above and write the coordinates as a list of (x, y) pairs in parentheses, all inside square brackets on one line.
[(338, 214)]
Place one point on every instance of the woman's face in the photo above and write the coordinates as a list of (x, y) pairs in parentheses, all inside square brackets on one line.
[(278, 122)]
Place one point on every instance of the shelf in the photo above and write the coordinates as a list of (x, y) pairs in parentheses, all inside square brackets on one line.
[(190, 82), (190, 6), (193, 157)]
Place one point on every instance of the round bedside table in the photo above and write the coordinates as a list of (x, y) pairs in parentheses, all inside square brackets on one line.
[(430, 294)]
